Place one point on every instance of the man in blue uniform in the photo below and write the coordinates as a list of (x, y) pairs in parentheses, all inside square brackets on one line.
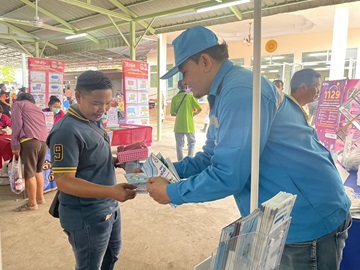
[(292, 159), (84, 172)]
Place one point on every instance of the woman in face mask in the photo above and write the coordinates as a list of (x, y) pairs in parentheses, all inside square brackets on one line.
[(55, 107)]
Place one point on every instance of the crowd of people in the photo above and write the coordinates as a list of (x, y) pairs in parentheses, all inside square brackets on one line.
[(292, 159)]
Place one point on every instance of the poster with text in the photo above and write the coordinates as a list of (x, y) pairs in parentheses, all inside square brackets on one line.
[(332, 94), (352, 109), (46, 78), (135, 81)]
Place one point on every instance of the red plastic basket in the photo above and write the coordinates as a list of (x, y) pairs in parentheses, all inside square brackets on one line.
[(131, 155)]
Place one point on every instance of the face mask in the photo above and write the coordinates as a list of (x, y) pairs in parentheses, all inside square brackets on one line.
[(55, 110)]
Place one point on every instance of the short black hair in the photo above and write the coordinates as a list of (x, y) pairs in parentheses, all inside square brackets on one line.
[(91, 80), (53, 100), (1, 85), (181, 86), (218, 52), (26, 96), (306, 75)]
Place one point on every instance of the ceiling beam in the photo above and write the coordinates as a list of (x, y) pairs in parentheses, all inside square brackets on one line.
[(97, 9), (237, 13), (19, 30), (132, 14), (119, 31), (184, 9), (14, 37), (28, 23)]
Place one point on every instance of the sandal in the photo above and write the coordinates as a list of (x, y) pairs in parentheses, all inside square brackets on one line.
[(41, 202), (26, 207)]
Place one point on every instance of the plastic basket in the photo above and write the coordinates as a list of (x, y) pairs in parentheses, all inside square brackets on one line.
[(130, 155)]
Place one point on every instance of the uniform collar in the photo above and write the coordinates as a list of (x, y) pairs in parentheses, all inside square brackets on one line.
[(225, 67), (74, 112), (301, 107)]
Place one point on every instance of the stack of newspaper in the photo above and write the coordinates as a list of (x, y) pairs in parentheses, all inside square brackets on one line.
[(157, 165), (257, 240)]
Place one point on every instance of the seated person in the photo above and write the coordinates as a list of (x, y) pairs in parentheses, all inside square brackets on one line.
[(5, 121), (55, 107)]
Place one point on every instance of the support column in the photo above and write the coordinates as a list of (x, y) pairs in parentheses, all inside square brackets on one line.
[(357, 68), (132, 41), (23, 71), (161, 90), (339, 42)]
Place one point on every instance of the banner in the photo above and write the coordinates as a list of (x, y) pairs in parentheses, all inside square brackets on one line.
[(352, 109), (136, 97), (332, 95), (46, 78)]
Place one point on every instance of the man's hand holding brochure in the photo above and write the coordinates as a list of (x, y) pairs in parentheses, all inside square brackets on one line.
[(160, 172)]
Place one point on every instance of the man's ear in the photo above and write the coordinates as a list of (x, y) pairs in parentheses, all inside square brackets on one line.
[(206, 62), (77, 96), (303, 87)]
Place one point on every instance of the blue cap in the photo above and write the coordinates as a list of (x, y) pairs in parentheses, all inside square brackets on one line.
[(190, 42)]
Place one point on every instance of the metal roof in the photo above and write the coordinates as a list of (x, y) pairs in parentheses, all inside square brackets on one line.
[(108, 23)]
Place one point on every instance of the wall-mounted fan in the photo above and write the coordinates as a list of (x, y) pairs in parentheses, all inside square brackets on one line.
[(37, 22)]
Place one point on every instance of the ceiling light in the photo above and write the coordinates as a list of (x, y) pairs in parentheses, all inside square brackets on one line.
[(76, 36), (224, 5)]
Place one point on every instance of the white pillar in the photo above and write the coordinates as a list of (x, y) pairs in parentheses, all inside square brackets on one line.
[(357, 69), (339, 42), (24, 68), (161, 92)]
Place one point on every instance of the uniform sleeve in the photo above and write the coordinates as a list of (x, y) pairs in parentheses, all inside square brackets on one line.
[(65, 147), (228, 155)]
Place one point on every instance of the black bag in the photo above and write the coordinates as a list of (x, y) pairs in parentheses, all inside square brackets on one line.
[(54, 207)]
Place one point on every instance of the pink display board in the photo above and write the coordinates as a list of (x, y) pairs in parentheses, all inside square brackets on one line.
[(136, 97), (46, 78), (332, 94)]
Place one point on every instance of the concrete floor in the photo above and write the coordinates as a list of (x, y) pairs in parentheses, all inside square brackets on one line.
[(155, 237)]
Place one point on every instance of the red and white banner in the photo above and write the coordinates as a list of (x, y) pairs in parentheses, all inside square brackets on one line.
[(46, 78)]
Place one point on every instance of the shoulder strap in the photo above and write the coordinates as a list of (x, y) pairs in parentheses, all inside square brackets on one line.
[(181, 103), (100, 131)]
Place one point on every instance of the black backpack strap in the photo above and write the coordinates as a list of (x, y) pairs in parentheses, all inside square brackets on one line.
[(181, 103)]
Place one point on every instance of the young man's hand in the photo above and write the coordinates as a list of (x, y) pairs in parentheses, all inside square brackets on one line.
[(124, 192)]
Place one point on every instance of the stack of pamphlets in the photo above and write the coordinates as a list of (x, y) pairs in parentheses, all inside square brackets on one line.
[(273, 228), (139, 180), (155, 165), (257, 240), (236, 238)]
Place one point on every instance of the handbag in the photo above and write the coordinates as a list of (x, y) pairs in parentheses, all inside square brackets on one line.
[(54, 207)]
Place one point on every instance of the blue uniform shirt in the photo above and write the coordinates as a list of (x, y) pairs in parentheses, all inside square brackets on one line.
[(292, 159)]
